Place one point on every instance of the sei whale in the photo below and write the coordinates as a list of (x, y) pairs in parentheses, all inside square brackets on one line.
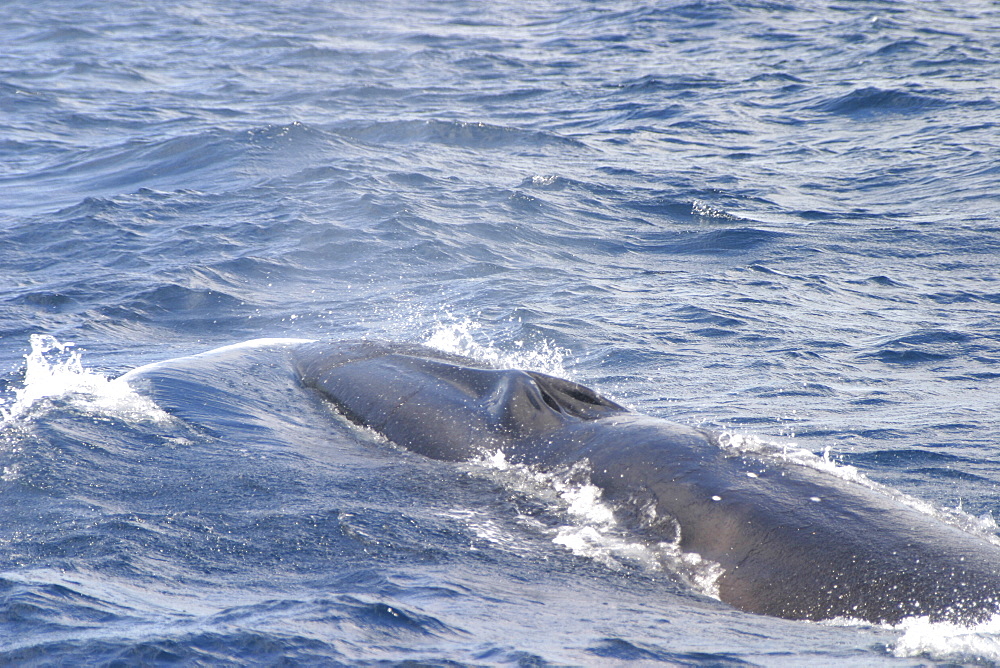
[(792, 541)]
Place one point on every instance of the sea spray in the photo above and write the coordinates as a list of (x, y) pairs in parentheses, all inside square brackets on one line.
[(465, 337), (54, 370)]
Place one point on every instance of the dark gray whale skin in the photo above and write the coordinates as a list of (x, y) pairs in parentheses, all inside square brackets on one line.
[(794, 541)]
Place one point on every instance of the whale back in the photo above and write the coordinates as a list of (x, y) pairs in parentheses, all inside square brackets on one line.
[(791, 540), (442, 405)]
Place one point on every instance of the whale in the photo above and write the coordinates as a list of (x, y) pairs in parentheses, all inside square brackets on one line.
[(789, 540)]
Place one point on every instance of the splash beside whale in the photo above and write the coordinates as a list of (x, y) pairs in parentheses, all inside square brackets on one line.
[(794, 541)]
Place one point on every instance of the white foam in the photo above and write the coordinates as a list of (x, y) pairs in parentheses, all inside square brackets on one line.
[(942, 641), (706, 210), (55, 371), (591, 529)]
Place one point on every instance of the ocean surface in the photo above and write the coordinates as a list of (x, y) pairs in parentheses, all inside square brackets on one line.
[(771, 219)]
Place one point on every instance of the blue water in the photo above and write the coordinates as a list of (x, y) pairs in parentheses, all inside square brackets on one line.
[(778, 220)]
